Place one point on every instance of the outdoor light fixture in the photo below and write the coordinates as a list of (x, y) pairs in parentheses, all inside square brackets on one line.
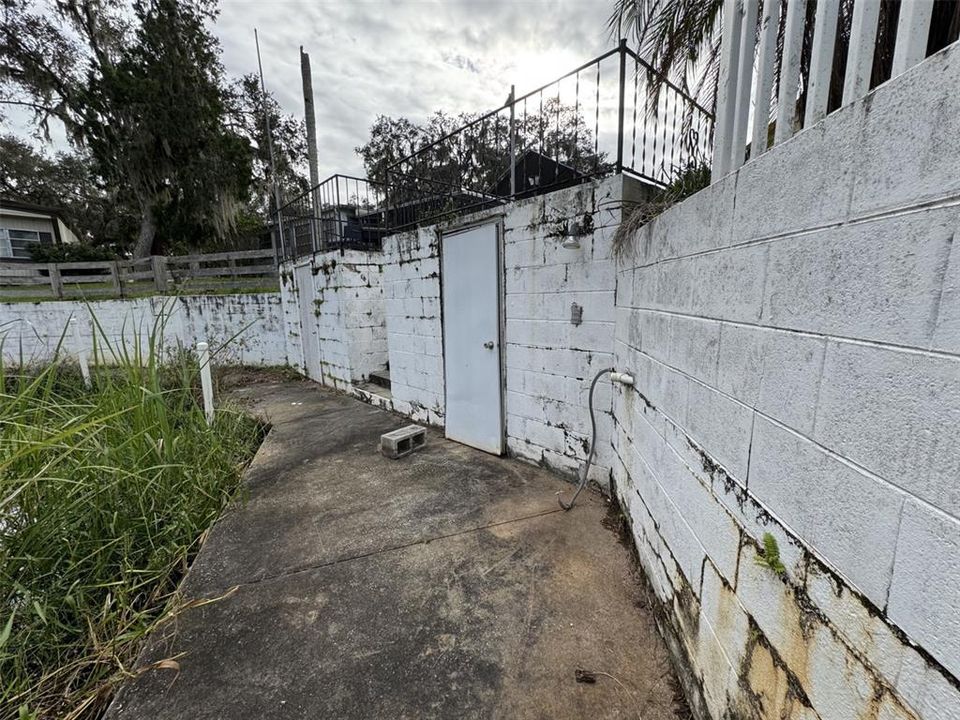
[(573, 230), (571, 236)]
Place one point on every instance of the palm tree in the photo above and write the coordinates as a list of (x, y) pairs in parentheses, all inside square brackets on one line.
[(681, 39)]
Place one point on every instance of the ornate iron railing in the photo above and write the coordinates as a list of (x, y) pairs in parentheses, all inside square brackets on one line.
[(611, 114), (341, 212)]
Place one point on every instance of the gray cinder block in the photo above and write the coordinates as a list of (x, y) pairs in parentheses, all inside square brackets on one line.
[(397, 443)]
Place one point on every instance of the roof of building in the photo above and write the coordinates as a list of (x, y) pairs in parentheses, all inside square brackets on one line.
[(22, 206)]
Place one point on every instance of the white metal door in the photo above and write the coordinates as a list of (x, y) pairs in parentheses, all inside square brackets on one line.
[(309, 343), (470, 276)]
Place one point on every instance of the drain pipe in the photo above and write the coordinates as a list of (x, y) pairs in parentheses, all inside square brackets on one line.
[(623, 378)]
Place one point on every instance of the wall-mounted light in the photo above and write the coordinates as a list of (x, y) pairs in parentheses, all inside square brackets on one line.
[(574, 230)]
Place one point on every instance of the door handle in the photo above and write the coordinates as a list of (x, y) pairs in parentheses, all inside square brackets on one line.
[(488, 344)]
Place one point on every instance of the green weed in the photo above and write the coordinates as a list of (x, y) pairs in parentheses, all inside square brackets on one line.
[(104, 497)]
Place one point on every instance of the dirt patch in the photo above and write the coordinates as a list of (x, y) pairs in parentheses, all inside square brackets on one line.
[(616, 522), (232, 377)]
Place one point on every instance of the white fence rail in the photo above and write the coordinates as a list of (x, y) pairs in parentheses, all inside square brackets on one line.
[(748, 67)]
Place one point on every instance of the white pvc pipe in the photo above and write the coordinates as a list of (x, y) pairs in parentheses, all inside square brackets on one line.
[(81, 353), (206, 382)]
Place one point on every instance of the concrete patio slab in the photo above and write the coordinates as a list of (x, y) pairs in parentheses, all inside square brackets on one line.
[(446, 584)]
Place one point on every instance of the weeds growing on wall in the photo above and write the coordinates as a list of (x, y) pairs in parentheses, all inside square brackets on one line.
[(770, 557), (690, 179), (104, 496)]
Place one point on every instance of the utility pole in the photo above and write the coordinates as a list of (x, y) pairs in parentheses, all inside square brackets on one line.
[(273, 166), (311, 122)]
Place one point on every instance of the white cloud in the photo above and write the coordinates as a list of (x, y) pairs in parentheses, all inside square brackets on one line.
[(398, 57), (373, 57)]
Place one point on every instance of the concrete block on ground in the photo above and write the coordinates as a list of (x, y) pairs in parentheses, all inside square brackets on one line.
[(397, 443)]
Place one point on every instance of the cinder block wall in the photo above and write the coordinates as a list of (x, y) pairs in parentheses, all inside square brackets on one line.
[(290, 316), (795, 333), (411, 290), (343, 304), (551, 355), (550, 359), (252, 323)]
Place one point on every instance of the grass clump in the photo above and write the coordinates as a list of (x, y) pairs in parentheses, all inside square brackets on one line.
[(104, 496)]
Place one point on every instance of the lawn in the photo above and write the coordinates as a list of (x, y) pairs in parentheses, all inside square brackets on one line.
[(105, 494)]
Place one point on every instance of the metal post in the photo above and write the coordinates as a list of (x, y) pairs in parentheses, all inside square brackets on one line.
[(81, 353), (623, 81), (821, 61), (513, 144), (206, 383), (863, 44), (913, 29), (767, 58), (793, 29), (336, 210)]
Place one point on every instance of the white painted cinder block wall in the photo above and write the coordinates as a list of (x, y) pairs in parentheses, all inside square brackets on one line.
[(411, 291), (252, 323), (549, 361), (344, 307), (795, 334)]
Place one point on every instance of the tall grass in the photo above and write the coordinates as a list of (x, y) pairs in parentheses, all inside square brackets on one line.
[(104, 496)]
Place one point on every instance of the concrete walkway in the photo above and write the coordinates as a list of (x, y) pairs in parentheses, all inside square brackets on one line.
[(442, 585)]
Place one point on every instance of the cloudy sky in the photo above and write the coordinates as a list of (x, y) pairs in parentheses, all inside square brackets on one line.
[(373, 57)]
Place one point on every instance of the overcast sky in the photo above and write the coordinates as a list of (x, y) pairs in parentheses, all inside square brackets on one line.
[(396, 58), (406, 58)]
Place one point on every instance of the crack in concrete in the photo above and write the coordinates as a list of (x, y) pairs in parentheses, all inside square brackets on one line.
[(300, 569)]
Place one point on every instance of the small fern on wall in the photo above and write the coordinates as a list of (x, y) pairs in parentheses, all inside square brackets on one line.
[(770, 557)]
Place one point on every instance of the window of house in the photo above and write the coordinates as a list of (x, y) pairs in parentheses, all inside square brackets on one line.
[(17, 243)]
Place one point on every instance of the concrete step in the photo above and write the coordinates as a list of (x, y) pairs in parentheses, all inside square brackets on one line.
[(381, 378)]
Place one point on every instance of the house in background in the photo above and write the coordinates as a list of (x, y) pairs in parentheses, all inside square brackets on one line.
[(24, 225), (535, 172)]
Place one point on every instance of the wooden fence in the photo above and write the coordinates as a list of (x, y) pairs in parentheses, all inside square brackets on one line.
[(247, 270)]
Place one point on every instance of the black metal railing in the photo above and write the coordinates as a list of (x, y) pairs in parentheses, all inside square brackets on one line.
[(342, 212), (662, 130), (611, 114)]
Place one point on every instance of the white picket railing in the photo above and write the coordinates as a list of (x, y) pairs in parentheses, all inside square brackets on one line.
[(739, 54)]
